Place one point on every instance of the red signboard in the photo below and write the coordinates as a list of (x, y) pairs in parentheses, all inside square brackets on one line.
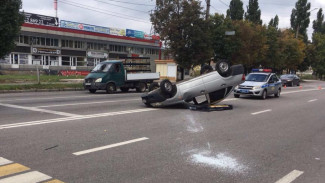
[(73, 73)]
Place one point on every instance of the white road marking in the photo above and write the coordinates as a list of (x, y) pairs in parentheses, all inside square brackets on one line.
[(255, 113), (89, 103), (313, 100), (298, 91), (57, 120), (38, 110), (109, 146), (50, 98), (4, 161), (290, 177), (230, 99), (29, 177)]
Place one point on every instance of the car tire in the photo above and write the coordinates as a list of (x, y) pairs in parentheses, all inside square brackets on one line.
[(153, 86), (166, 87), (236, 95), (264, 95), (110, 88), (298, 84), (223, 68), (278, 93), (124, 89), (92, 90), (206, 69), (291, 84), (141, 87)]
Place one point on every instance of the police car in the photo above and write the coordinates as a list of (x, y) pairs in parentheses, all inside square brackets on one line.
[(260, 83)]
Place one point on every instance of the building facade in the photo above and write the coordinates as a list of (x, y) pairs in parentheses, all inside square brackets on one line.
[(58, 48)]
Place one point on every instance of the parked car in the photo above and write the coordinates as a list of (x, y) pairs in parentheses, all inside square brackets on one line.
[(215, 85), (290, 79), (260, 83)]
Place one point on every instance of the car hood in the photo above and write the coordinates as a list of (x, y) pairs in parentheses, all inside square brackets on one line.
[(251, 83), (95, 75)]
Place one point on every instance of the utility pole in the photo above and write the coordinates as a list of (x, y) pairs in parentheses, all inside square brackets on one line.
[(208, 10)]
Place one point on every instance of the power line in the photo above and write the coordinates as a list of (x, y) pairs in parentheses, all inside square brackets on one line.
[(139, 4), (103, 12), (121, 6)]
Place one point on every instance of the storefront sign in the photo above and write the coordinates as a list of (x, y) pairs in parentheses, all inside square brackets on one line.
[(147, 36), (134, 33), (117, 31), (84, 27), (41, 19), (154, 37), (46, 51), (94, 54)]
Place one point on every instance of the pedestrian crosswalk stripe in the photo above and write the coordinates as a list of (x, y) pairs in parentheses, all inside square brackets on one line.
[(29, 177), (54, 181), (4, 161), (12, 169)]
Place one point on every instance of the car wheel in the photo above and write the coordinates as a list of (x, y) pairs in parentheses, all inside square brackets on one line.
[(110, 88), (141, 87), (236, 95), (291, 84), (153, 86), (92, 90), (264, 94), (166, 86), (278, 93), (124, 89), (223, 68), (298, 84), (206, 69)]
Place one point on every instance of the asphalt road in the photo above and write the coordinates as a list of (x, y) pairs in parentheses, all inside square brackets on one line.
[(82, 137)]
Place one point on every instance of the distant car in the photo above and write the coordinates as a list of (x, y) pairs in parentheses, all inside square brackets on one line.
[(215, 85), (290, 80), (260, 83)]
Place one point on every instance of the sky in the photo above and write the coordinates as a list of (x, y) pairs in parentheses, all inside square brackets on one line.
[(134, 14)]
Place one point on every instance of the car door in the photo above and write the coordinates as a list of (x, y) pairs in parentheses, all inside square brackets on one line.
[(271, 85)]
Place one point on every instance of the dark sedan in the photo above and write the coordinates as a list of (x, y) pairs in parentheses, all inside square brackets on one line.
[(290, 80)]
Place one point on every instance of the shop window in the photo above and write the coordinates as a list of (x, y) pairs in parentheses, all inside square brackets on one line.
[(48, 42), (65, 61), (36, 59), (81, 61), (23, 59), (70, 44), (56, 42), (42, 41), (26, 39)]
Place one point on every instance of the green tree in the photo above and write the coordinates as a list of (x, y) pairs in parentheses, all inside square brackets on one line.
[(236, 10), (300, 18), (319, 24), (318, 54), (292, 51), (272, 59), (10, 21), (253, 13), (274, 22), (182, 27)]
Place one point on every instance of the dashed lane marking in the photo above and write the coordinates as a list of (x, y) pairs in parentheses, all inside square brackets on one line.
[(38, 110), (57, 120), (11, 169), (109, 146), (255, 113), (313, 100), (17, 173), (298, 91), (290, 177)]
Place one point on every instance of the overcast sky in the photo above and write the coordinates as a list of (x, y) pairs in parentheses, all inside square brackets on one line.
[(135, 14)]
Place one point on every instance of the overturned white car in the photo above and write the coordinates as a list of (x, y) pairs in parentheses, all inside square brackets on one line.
[(215, 85)]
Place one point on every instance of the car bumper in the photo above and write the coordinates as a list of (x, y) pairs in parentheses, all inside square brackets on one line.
[(94, 86), (249, 92)]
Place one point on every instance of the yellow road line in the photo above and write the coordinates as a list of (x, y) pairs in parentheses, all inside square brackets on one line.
[(12, 169), (54, 181)]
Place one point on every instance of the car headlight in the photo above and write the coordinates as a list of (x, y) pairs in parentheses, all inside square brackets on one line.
[(237, 87), (99, 80), (289, 80), (256, 87)]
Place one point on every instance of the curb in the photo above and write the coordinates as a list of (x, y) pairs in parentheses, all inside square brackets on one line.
[(41, 90)]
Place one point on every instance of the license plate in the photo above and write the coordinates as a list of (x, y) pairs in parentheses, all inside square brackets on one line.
[(244, 91), (87, 84)]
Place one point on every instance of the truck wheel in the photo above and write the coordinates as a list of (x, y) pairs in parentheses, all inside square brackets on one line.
[(124, 89), (92, 90), (110, 88), (141, 87), (223, 68), (153, 86)]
